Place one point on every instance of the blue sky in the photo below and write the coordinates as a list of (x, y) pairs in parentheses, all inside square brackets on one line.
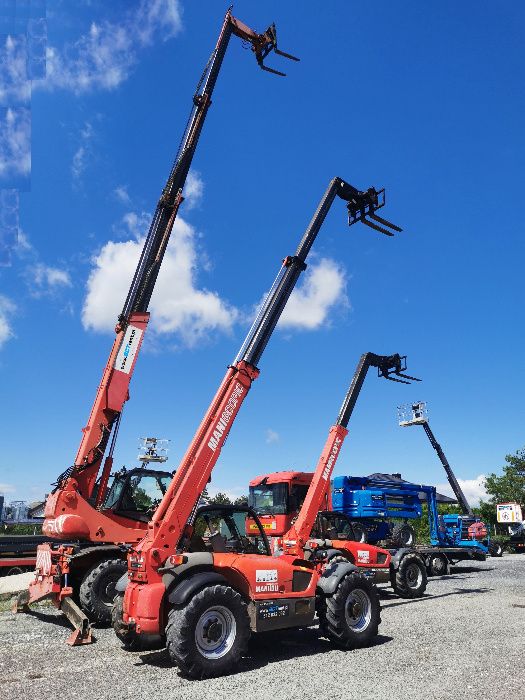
[(425, 99)]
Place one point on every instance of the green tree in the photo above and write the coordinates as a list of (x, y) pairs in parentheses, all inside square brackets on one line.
[(221, 498), (29, 529), (508, 487), (421, 525), (241, 501)]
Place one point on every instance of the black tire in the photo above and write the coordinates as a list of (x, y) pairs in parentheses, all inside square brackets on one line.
[(410, 579), (438, 565), (129, 639), (350, 617), (97, 589), (360, 532), (495, 549), (403, 535), (207, 637)]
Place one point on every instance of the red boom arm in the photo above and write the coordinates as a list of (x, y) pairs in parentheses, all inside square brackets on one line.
[(68, 511)]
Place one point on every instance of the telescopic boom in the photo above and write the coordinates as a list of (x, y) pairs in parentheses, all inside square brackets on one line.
[(113, 390), (196, 467), (390, 367), (454, 484), (416, 414)]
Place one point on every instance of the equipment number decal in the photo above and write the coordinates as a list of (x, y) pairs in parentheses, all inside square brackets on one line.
[(128, 349), (363, 556), (266, 576)]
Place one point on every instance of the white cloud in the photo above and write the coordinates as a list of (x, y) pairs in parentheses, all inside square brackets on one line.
[(121, 193), (193, 190), (47, 277), (15, 142), (7, 308), (272, 436), (6, 488), (105, 56), (136, 224), (177, 305), (15, 88), (474, 489), (310, 303), (23, 245), (82, 153), (41, 279), (78, 164)]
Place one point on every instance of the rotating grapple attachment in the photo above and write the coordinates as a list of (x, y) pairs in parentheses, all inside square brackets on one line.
[(365, 204), (395, 365), (261, 44)]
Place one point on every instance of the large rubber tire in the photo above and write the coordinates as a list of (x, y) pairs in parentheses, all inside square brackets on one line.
[(495, 549), (410, 579), (129, 639), (97, 589), (403, 535), (15, 570), (208, 636), (360, 533), (438, 565), (350, 617)]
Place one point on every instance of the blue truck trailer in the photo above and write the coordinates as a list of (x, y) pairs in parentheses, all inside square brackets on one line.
[(380, 506)]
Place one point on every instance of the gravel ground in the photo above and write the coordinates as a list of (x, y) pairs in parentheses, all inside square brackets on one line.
[(464, 639)]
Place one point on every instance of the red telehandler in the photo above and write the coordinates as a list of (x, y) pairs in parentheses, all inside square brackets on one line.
[(205, 582), (293, 505), (93, 523), (277, 497)]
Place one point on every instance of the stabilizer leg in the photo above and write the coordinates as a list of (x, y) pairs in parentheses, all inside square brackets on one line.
[(82, 632), (21, 604)]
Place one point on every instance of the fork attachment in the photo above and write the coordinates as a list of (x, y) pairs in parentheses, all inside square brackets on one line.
[(365, 204), (395, 365), (261, 44)]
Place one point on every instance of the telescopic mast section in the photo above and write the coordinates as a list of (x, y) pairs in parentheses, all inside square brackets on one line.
[(132, 322), (460, 496), (390, 367), (196, 467), (420, 417)]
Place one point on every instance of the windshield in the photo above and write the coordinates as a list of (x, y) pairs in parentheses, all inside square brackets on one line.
[(269, 499), (224, 530), (140, 492)]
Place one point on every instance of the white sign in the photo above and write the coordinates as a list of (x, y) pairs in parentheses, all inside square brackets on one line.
[(363, 556), (266, 576), (509, 513), (128, 349)]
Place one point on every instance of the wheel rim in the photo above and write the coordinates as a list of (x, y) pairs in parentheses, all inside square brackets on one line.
[(107, 591), (414, 576), (215, 632), (407, 538), (358, 610), (439, 565)]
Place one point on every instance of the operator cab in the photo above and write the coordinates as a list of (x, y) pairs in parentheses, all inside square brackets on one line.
[(224, 529), (333, 526), (279, 494), (136, 493)]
